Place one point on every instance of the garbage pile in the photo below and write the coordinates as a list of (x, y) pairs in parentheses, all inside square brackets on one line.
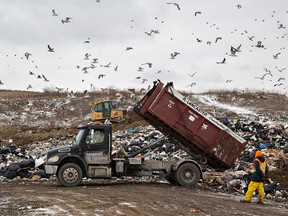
[(270, 137)]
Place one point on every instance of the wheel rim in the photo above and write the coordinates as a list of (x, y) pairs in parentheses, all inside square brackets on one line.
[(70, 175), (187, 175)]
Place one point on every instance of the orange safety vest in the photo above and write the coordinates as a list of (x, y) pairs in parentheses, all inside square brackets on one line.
[(262, 166)]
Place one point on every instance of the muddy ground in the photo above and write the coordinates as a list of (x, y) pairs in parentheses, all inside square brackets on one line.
[(124, 198)]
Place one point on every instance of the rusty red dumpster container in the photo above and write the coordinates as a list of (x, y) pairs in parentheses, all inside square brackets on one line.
[(195, 130)]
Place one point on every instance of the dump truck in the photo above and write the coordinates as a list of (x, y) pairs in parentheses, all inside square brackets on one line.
[(203, 137), (105, 109)]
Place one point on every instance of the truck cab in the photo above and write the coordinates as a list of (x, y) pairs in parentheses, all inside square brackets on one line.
[(90, 151)]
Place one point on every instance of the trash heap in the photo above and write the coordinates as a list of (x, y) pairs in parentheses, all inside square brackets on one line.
[(269, 136)]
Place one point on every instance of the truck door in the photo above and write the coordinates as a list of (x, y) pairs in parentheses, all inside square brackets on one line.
[(97, 148)]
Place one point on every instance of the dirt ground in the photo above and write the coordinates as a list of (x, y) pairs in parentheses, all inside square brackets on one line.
[(124, 198)]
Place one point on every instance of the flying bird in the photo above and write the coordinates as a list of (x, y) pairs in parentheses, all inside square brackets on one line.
[(218, 38), (174, 54), (54, 13), (31, 73), (234, 50), (144, 80), (191, 85), (27, 54), (95, 61), (116, 68), (276, 55), (66, 20), (29, 86), (197, 12), (140, 69), (87, 55), (1, 83), (101, 76), (148, 63), (191, 75), (50, 49), (259, 44), (177, 5), (45, 79), (251, 38), (128, 48), (107, 65), (239, 6), (222, 62)]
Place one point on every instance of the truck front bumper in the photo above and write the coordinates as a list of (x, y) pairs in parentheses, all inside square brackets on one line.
[(50, 169)]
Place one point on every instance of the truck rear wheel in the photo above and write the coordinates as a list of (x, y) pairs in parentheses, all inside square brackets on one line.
[(187, 174), (70, 174)]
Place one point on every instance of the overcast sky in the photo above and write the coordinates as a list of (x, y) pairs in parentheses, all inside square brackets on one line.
[(111, 26)]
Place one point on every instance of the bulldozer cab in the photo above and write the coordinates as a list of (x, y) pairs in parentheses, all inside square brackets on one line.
[(105, 109)]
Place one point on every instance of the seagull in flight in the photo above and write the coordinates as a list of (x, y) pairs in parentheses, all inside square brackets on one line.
[(54, 13), (192, 74), (128, 48), (197, 12), (45, 79), (222, 62), (140, 69), (191, 85), (27, 54), (276, 55), (66, 20), (1, 83), (148, 63), (177, 5), (31, 73), (101, 76), (50, 49), (29, 87), (218, 38), (107, 65), (174, 54)]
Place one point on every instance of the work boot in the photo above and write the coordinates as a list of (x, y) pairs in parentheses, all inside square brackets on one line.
[(260, 202), (244, 201)]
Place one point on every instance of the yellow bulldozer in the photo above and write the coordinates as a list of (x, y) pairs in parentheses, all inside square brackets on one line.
[(105, 109)]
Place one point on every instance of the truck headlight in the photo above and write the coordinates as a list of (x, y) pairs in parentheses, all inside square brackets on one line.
[(53, 159)]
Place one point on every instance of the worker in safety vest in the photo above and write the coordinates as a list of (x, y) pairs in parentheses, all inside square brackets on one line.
[(259, 172)]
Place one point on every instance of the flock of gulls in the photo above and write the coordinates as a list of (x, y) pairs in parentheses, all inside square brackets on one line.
[(232, 52)]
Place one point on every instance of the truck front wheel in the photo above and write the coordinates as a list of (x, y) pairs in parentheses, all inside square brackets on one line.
[(187, 174), (70, 174)]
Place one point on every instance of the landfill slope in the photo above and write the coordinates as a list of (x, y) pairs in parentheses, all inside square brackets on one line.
[(32, 123)]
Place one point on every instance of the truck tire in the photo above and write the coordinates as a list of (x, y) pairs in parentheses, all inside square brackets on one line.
[(70, 175), (187, 174)]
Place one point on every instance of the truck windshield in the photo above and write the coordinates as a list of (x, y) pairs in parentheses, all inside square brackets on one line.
[(79, 137)]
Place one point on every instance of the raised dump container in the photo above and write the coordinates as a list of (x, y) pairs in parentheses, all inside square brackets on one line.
[(196, 131)]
